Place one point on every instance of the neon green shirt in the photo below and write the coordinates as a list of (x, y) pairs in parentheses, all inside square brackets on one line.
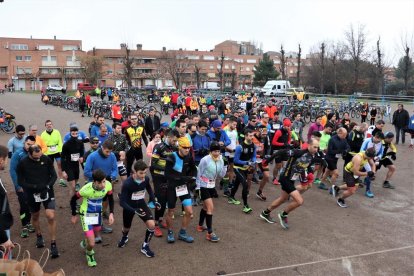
[(53, 141), (92, 199), (323, 143)]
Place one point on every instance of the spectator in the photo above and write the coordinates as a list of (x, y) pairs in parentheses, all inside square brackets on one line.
[(400, 120)]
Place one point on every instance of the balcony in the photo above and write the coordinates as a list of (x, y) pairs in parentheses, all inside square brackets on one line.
[(4, 76), (73, 63), (49, 63)]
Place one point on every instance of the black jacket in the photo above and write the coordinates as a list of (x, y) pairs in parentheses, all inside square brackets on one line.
[(150, 127), (36, 176), (400, 118), (6, 218)]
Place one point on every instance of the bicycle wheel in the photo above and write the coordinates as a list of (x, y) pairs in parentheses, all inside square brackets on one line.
[(9, 127), (352, 113)]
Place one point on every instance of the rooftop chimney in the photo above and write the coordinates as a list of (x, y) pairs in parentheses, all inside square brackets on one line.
[(139, 46), (123, 46), (164, 49), (196, 50), (180, 49), (54, 37)]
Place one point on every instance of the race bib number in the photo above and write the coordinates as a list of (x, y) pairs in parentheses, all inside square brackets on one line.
[(74, 157), (295, 177), (276, 126), (91, 218), (138, 195), (211, 183), (52, 148), (338, 155), (39, 198), (181, 190), (119, 112)]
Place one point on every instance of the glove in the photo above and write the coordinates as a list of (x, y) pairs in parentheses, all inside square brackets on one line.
[(141, 213), (157, 205), (392, 155), (371, 175), (251, 164)]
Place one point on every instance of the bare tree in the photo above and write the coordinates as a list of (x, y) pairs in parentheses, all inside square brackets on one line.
[(322, 57), (282, 63), (298, 71), (128, 63), (336, 56), (92, 68), (220, 71), (233, 78), (355, 45), (175, 64), (197, 75), (380, 68), (407, 67)]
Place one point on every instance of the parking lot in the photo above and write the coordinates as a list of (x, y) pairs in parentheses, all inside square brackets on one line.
[(371, 237)]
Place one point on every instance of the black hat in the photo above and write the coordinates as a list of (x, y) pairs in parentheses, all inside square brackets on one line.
[(389, 134), (215, 146)]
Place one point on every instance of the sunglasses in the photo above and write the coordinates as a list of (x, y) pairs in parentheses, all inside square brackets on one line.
[(186, 148), (94, 143)]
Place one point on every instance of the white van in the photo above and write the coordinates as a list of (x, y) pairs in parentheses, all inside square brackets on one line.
[(276, 87)]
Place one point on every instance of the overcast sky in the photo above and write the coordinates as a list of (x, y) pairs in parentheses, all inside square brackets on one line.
[(200, 24)]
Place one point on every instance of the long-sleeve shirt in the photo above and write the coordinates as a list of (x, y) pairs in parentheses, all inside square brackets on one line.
[(97, 160), (297, 127), (133, 194), (209, 170), (15, 144), (368, 143), (53, 141), (36, 176), (95, 130), (72, 150), (336, 146), (17, 156), (178, 167), (314, 127), (201, 146), (239, 159)]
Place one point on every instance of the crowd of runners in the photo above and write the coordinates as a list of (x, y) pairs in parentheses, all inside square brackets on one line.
[(205, 152)]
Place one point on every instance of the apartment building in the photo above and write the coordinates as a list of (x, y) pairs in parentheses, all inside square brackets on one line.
[(33, 64)]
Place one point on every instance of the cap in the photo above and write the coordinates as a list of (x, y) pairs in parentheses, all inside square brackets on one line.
[(94, 139), (370, 152), (389, 134), (73, 124), (74, 128), (287, 123), (215, 146), (183, 142), (216, 124)]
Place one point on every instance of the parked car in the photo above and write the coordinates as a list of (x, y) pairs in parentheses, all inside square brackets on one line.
[(150, 87), (169, 87), (55, 87), (86, 86)]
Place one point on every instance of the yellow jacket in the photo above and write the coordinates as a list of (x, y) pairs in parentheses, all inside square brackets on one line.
[(193, 105), (41, 143)]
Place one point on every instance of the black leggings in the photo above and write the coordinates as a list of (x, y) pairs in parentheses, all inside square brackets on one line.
[(241, 177), (160, 191), (25, 215), (132, 155)]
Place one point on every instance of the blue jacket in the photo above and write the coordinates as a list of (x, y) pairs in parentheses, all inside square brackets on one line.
[(81, 136), (223, 137), (95, 130), (96, 160), (16, 157), (411, 122), (200, 143)]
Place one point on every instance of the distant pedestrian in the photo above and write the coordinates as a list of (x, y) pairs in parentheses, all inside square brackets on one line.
[(400, 120)]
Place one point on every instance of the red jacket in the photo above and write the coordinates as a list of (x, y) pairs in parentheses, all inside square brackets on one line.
[(188, 101), (88, 100), (270, 110), (116, 112), (281, 142), (174, 98)]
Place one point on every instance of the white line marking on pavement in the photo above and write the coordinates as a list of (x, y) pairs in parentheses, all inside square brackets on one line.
[(322, 261)]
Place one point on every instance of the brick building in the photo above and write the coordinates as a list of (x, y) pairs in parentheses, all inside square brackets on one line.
[(31, 64)]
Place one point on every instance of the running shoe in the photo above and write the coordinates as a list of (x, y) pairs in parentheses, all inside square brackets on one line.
[(182, 235), (226, 193), (283, 221), (261, 196), (369, 194), (157, 232), (212, 237), (247, 209), (151, 205), (170, 237), (90, 258), (106, 230), (232, 200), (54, 253), (388, 185), (30, 227), (276, 182), (317, 181), (147, 251), (323, 186), (77, 187), (163, 224), (62, 183), (267, 217), (341, 203), (334, 191), (98, 239), (24, 233), (40, 242), (411, 146), (201, 228), (123, 241)]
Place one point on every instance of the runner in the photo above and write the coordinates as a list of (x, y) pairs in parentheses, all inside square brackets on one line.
[(211, 169), (135, 134), (90, 211), (281, 140), (231, 131), (389, 154), (132, 200), (16, 143), (262, 142), (244, 164), (120, 148), (36, 175), (181, 171), (297, 168), (353, 171), (72, 154), (160, 153)]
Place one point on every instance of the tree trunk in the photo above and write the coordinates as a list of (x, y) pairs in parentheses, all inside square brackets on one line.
[(298, 71)]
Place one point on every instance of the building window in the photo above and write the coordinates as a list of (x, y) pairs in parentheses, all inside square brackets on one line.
[(19, 47), (68, 58), (24, 70), (120, 60), (109, 60), (109, 72), (3, 70), (46, 58), (247, 68), (226, 66), (19, 58), (211, 66), (46, 47), (27, 58), (70, 47)]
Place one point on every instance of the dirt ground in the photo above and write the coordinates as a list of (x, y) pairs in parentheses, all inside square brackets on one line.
[(371, 237)]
